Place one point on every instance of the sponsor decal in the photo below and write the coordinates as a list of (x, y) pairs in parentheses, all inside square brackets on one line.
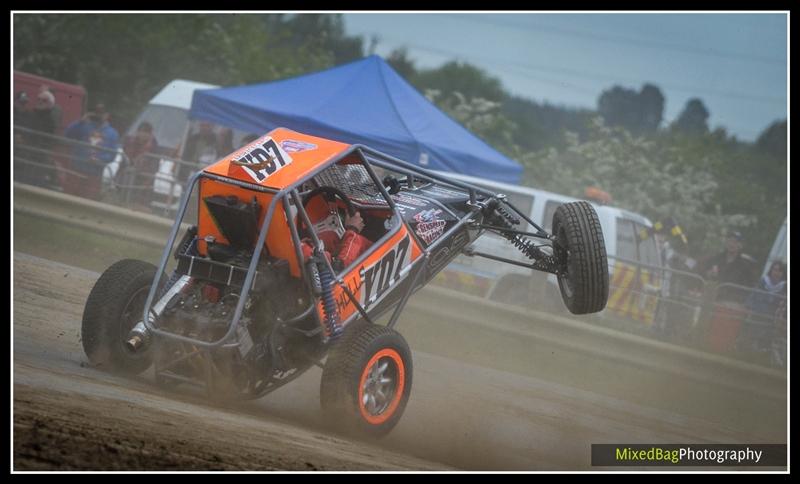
[(409, 200), (293, 146), (447, 251), (343, 300), (429, 225), (263, 159), (439, 192), (380, 276)]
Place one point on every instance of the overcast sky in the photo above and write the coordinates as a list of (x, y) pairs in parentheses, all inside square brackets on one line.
[(736, 63)]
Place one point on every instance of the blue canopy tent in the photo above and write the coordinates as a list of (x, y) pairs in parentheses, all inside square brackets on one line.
[(363, 102)]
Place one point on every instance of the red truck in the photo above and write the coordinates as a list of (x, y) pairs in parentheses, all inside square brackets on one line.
[(69, 97)]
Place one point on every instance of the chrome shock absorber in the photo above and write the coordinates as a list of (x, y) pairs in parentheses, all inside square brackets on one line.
[(498, 215)]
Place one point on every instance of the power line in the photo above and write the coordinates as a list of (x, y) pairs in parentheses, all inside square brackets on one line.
[(619, 39), (508, 67), (591, 75)]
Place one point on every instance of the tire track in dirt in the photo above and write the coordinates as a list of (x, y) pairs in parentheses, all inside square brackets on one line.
[(70, 416)]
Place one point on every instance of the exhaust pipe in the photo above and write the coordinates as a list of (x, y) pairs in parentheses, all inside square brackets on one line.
[(138, 338)]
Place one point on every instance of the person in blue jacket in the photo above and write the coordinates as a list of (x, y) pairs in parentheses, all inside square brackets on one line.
[(98, 146)]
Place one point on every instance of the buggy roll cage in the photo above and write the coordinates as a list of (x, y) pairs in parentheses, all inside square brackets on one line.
[(369, 157)]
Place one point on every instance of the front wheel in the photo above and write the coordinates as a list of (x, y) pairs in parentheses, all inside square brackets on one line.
[(366, 381), (114, 306), (581, 253)]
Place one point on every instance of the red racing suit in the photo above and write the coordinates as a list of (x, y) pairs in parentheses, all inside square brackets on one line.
[(346, 249)]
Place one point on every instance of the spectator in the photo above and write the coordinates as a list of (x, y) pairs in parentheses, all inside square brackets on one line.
[(22, 117), (225, 142), (760, 327), (22, 155), (202, 149), (56, 110), (98, 146), (732, 267), (778, 355), (21, 113), (44, 120), (140, 149)]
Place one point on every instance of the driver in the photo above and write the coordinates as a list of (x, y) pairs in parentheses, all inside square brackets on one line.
[(345, 243)]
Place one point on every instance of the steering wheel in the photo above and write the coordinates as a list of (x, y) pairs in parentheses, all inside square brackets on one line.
[(330, 193)]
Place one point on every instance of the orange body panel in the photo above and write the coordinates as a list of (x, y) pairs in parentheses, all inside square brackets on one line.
[(291, 157), (279, 159), (279, 238), (374, 277)]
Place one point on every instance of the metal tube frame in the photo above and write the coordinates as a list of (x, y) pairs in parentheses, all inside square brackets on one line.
[(369, 157)]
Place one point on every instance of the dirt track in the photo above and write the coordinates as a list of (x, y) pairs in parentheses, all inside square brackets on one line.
[(70, 416)]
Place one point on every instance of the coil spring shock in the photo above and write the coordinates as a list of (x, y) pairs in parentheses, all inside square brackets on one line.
[(527, 246), (508, 217), (328, 302), (507, 220)]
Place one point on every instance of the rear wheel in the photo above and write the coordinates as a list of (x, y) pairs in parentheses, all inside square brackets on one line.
[(581, 252), (114, 306), (366, 381)]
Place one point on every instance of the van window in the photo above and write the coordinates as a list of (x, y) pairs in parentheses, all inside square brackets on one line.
[(549, 210), (524, 204), (648, 251), (626, 240), (169, 124)]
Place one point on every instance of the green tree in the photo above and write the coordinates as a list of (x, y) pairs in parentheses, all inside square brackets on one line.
[(403, 64), (324, 32), (693, 119), (480, 116), (124, 59), (651, 106), (773, 140), (644, 175), (638, 112), (543, 125), (470, 81)]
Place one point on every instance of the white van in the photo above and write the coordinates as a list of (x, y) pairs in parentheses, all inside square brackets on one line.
[(514, 284)]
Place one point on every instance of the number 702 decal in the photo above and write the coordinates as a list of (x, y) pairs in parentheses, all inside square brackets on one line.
[(385, 273)]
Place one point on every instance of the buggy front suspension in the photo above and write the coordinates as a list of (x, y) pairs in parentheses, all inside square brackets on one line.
[(502, 222)]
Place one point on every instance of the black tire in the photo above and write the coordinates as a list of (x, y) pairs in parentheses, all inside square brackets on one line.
[(113, 308), (579, 247), (362, 349)]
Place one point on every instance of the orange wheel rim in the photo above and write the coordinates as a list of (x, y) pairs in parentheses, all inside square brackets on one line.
[(381, 386)]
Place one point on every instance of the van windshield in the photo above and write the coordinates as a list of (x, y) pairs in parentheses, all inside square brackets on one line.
[(169, 124), (648, 250)]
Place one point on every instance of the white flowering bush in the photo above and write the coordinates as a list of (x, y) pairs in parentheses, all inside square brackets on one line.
[(642, 175)]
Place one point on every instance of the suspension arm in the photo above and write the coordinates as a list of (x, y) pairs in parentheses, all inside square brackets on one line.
[(545, 264), (539, 235)]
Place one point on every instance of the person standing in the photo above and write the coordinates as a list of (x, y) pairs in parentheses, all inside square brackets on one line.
[(761, 326), (141, 150), (732, 266), (98, 146), (44, 120), (202, 149)]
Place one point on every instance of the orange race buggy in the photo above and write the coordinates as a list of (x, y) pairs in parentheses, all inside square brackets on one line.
[(254, 295)]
